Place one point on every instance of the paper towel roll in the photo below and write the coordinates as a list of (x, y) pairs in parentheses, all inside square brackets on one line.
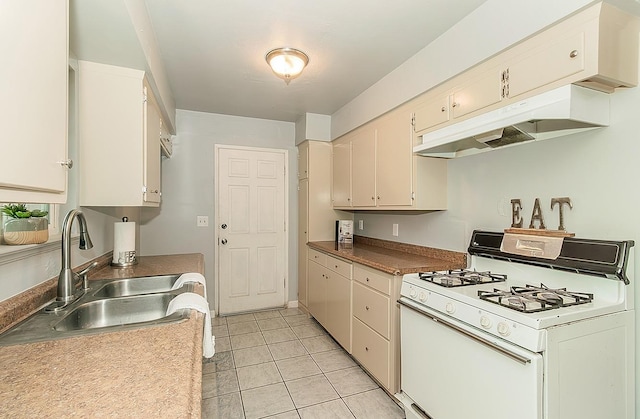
[(124, 243)]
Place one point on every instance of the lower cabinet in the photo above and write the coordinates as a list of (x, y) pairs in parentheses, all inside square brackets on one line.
[(376, 324), (362, 314), (329, 295)]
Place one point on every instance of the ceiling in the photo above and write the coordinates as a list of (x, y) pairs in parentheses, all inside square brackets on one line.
[(213, 50)]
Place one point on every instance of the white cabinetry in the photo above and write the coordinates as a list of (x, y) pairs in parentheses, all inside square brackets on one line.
[(374, 168), (330, 295), (597, 48), (376, 324), (33, 81), (316, 216), (120, 125)]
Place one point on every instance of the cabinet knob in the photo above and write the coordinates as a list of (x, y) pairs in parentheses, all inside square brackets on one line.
[(366, 348), (573, 54), (68, 163), (223, 241), (443, 109), (336, 266), (373, 198), (366, 308), (454, 104), (367, 279), (378, 196)]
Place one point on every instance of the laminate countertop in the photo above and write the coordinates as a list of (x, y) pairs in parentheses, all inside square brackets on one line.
[(393, 257), (143, 373)]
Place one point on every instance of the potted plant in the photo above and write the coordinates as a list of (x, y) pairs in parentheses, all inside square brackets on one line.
[(25, 226)]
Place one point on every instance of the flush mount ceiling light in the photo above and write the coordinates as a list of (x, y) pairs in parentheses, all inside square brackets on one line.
[(287, 63)]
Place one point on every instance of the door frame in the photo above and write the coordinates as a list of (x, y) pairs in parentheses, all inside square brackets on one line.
[(216, 156)]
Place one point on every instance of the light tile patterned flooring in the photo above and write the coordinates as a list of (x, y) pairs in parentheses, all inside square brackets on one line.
[(283, 364)]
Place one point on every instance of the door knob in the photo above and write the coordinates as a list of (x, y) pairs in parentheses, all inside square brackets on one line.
[(223, 241), (223, 226)]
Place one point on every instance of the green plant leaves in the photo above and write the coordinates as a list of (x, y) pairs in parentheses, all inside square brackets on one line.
[(21, 211)]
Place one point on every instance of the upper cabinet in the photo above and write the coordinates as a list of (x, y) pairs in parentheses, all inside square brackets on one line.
[(374, 168), (341, 191), (597, 48), (34, 85), (120, 128)]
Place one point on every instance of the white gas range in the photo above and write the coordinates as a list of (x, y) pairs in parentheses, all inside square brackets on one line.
[(519, 336)]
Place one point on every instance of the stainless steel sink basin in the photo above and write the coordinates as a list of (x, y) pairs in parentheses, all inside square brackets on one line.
[(136, 286), (118, 312), (111, 307)]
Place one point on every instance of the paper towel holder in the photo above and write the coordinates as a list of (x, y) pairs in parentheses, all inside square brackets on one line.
[(126, 258)]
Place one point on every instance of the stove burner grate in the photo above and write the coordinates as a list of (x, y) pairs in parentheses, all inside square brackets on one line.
[(532, 299), (461, 277)]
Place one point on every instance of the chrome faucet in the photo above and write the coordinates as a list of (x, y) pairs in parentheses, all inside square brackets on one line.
[(68, 280)]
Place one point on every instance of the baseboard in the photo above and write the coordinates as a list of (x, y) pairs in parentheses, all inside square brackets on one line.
[(292, 304)]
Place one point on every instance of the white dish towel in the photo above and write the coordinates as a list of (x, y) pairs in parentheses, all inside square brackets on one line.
[(196, 302), (190, 277)]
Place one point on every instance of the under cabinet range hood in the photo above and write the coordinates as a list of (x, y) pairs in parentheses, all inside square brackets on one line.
[(562, 111)]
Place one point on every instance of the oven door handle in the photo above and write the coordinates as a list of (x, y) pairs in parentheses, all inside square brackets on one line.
[(516, 357)]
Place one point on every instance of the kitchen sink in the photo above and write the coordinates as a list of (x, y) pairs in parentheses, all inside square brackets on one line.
[(137, 286), (116, 304), (150, 308)]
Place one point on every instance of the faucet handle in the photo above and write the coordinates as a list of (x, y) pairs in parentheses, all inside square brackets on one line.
[(84, 275)]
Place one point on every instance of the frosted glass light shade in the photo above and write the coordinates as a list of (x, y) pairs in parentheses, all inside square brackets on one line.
[(287, 63)]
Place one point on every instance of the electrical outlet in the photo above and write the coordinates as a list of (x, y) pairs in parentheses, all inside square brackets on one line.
[(360, 224), (202, 221), (395, 230)]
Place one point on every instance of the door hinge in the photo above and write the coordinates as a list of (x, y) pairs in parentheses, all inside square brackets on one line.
[(413, 120), (413, 196)]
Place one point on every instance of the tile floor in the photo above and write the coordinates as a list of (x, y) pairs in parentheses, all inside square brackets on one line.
[(283, 364)]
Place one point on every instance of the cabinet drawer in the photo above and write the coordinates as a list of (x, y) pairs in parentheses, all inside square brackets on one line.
[(339, 266), (372, 308), (372, 278), (372, 351), (318, 257)]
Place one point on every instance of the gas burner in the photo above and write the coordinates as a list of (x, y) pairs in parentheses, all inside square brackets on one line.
[(531, 299), (461, 277)]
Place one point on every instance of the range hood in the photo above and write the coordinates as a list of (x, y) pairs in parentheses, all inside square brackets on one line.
[(562, 111)]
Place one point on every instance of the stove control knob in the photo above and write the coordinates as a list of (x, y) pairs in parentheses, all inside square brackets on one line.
[(503, 329), (450, 308), (423, 296), (413, 293), (485, 322)]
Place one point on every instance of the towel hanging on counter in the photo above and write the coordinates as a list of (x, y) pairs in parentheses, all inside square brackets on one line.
[(194, 301), (190, 277)]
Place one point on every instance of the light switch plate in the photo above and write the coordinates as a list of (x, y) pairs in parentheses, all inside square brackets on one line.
[(360, 224), (202, 221), (395, 230)]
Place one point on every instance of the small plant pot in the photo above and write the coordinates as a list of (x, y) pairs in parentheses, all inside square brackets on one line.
[(26, 231)]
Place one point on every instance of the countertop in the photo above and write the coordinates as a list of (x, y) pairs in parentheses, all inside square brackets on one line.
[(143, 373), (393, 257)]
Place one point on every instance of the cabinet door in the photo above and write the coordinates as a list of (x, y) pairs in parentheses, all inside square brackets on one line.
[(342, 173), (363, 167), (546, 65), (317, 292), (303, 211), (434, 111), (33, 81), (339, 309), (152, 158), (478, 93), (303, 160), (394, 168)]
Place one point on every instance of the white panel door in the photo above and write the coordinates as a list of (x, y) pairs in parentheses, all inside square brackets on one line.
[(251, 229)]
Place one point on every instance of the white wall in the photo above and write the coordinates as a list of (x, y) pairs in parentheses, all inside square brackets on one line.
[(188, 180)]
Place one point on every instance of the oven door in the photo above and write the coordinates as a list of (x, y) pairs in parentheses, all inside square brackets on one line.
[(454, 371)]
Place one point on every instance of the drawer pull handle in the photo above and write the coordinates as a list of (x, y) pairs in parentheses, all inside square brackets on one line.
[(336, 266), (366, 307), (366, 348), (367, 279)]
